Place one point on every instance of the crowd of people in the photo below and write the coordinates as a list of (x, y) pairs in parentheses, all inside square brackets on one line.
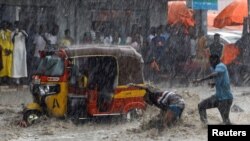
[(13, 51), (20, 49), (173, 50), (164, 48)]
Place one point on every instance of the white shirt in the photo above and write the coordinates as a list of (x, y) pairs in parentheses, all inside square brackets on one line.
[(108, 40), (150, 37), (40, 44), (136, 46), (128, 40), (51, 38)]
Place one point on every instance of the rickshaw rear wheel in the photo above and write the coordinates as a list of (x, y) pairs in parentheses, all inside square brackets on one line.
[(134, 114), (31, 116)]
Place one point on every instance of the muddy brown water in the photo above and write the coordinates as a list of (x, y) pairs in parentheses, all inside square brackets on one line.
[(51, 129)]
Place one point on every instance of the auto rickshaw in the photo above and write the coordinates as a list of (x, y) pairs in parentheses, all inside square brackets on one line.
[(57, 90)]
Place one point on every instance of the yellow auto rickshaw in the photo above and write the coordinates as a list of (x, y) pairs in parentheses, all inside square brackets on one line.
[(58, 90)]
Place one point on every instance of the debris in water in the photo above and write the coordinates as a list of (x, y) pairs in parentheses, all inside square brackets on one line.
[(245, 93), (236, 108)]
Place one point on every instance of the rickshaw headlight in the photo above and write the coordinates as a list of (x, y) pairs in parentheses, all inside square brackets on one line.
[(46, 89), (42, 90), (49, 89)]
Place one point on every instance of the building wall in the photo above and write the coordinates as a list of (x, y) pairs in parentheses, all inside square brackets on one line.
[(77, 15), (158, 14), (123, 14)]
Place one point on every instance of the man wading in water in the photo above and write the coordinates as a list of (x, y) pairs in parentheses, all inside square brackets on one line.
[(223, 97)]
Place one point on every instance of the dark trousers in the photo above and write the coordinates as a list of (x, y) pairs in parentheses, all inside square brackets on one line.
[(212, 102)]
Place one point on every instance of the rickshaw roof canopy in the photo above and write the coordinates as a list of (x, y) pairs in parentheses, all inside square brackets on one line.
[(102, 50), (129, 61)]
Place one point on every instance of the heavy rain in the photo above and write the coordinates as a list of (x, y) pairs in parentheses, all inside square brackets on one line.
[(122, 70)]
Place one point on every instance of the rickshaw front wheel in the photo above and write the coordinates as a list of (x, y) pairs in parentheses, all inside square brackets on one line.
[(31, 116)]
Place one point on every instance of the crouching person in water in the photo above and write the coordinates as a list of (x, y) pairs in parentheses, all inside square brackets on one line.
[(170, 103)]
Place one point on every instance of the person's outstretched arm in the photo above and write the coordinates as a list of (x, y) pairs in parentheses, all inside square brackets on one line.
[(210, 76)]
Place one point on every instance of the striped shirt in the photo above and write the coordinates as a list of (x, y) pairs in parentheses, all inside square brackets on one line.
[(170, 98)]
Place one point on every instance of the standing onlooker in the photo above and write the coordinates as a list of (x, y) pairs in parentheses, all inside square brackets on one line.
[(152, 34), (108, 39), (116, 38), (216, 47), (32, 32), (244, 45), (242, 60), (172, 46), (39, 45), (67, 40), (128, 39), (99, 38), (51, 38), (223, 97), (86, 38), (201, 46), (136, 42), (19, 68), (7, 48), (201, 51), (183, 47), (158, 47), (165, 32)]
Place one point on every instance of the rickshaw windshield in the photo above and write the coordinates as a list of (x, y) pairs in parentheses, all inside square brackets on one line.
[(50, 66)]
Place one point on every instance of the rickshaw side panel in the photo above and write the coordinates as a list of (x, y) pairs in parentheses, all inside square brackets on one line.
[(126, 98), (57, 104), (92, 102)]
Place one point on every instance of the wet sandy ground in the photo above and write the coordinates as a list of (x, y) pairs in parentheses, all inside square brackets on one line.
[(51, 129)]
